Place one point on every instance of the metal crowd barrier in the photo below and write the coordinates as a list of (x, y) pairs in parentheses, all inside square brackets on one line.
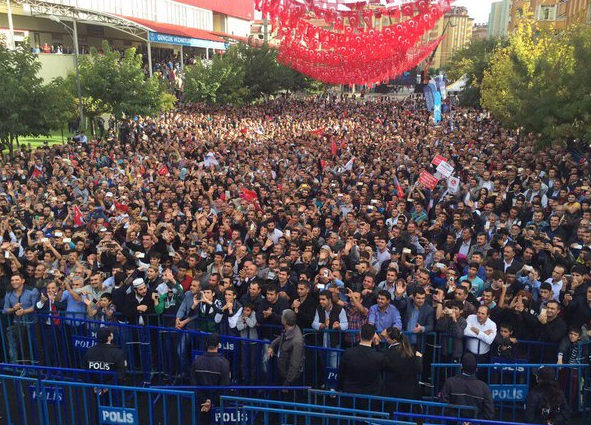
[(388, 404), (401, 410), (510, 383), (532, 351), (58, 373), (44, 402), (163, 355), (232, 407), (274, 416)]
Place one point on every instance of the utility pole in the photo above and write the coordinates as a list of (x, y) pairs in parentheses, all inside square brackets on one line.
[(11, 42)]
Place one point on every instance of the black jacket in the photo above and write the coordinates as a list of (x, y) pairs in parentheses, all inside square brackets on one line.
[(105, 358), (210, 370), (360, 371), (538, 409), (466, 390), (306, 312), (401, 374)]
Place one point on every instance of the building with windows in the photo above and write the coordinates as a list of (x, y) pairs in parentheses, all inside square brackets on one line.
[(159, 29), (557, 14), (457, 26), (499, 18)]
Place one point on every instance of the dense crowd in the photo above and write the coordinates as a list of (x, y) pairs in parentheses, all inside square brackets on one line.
[(225, 217)]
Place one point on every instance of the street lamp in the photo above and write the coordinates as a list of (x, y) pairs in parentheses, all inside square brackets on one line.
[(74, 33)]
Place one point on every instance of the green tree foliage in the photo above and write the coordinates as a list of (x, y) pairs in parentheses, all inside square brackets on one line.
[(118, 84), (244, 73), (220, 81), (541, 82), (471, 62), (27, 106)]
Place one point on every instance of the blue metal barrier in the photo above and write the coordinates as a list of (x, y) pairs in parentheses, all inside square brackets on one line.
[(383, 404), (21, 402), (58, 373), (510, 383), (532, 351), (233, 405), (276, 416), (45, 402)]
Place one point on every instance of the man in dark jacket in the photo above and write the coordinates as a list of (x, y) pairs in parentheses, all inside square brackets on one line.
[(269, 313), (467, 390), (139, 304), (417, 315), (210, 370), (105, 357), (289, 347), (360, 366)]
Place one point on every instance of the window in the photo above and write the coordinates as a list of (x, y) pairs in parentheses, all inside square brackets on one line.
[(547, 13)]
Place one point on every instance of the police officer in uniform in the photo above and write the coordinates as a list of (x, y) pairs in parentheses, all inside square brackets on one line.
[(106, 357), (210, 370)]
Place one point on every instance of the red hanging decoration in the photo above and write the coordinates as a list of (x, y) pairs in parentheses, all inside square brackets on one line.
[(346, 48)]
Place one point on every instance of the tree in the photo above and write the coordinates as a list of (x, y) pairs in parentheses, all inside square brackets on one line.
[(220, 81), (27, 106), (118, 85), (244, 73), (471, 62), (540, 82)]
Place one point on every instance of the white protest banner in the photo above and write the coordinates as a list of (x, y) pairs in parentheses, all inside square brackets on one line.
[(453, 184), (445, 169)]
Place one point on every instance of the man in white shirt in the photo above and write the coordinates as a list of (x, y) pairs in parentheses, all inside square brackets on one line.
[(481, 332), (557, 281)]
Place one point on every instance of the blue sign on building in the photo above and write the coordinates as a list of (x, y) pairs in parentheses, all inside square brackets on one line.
[(117, 416), (157, 37)]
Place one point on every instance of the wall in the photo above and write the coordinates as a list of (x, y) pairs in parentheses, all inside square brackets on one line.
[(238, 27), (53, 66)]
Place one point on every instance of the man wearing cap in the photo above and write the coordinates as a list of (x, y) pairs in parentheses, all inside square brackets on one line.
[(139, 303), (210, 370), (105, 357), (289, 348), (467, 390)]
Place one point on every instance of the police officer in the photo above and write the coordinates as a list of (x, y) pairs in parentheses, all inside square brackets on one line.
[(105, 356), (210, 370)]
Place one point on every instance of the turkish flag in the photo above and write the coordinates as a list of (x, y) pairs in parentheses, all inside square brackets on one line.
[(408, 9), (120, 207), (249, 195), (78, 216), (163, 171), (318, 131), (333, 147)]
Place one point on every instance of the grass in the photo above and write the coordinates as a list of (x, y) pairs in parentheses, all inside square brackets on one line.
[(36, 142)]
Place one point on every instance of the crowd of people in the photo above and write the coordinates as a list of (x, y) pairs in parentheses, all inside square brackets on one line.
[(223, 218)]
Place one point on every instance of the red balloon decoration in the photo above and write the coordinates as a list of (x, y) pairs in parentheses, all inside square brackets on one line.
[(353, 45)]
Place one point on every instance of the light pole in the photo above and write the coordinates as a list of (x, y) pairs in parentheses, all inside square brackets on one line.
[(11, 43), (430, 61), (74, 33)]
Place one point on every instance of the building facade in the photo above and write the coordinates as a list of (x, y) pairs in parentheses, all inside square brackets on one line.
[(499, 18), (158, 28), (556, 14), (457, 26)]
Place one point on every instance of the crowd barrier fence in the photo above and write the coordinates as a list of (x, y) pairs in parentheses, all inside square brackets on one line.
[(45, 402), (511, 382)]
